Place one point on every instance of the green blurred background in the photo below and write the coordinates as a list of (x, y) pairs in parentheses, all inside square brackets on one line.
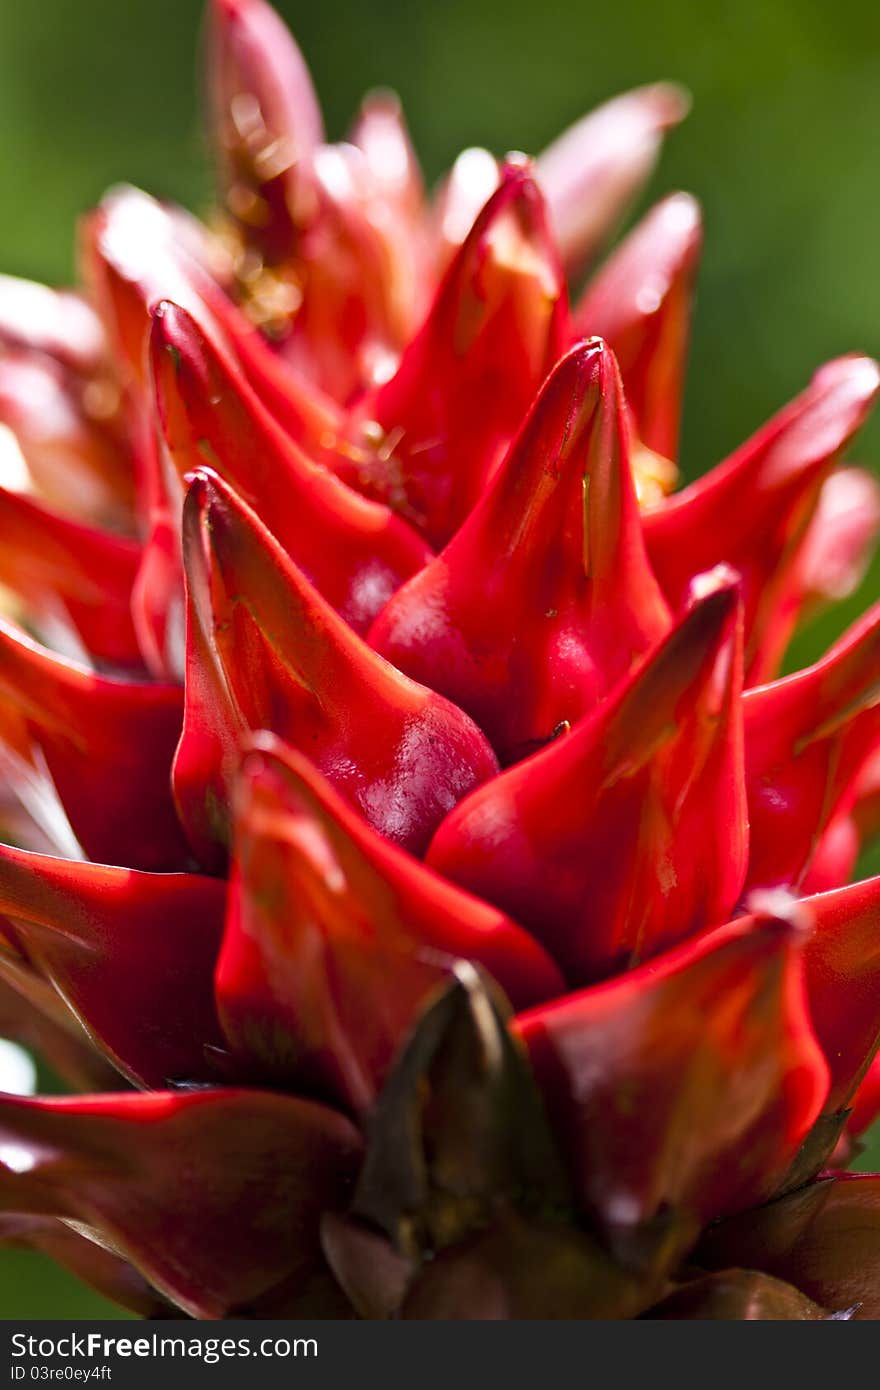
[(781, 147)]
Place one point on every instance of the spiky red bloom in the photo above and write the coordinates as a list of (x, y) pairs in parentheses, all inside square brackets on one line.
[(408, 829)]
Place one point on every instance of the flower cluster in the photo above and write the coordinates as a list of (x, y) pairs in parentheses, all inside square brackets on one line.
[(413, 852)]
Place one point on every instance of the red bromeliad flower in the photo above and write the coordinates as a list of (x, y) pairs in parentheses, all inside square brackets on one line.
[(413, 850)]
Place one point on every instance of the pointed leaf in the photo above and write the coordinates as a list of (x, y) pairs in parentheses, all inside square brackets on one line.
[(497, 324), (355, 551), (131, 953), (215, 1197), (640, 302), (753, 510), (629, 832), (593, 171), (108, 745), (689, 1083), (567, 601), (334, 936), (265, 651)]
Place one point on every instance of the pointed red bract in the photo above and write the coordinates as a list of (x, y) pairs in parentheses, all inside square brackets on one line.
[(264, 650), (498, 323), (131, 953), (355, 551), (71, 576), (825, 1239), (544, 598), (335, 937), (629, 832), (807, 737), (752, 511), (108, 745), (214, 1196), (592, 172), (688, 1084), (640, 302), (264, 118)]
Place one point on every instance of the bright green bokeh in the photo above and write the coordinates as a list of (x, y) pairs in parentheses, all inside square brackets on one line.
[(781, 148)]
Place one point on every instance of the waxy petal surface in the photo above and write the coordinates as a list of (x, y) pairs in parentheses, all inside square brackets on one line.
[(108, 745), (131, 953), (214, 1196), (265, 651), (688, 1083), (334, 936), (752, 511)]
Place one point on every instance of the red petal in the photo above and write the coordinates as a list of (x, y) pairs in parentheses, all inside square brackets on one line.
[(335, 936), (55, 322), (214, 1196), (108, 745), (629, 832), (567, 602), (73, 455), (32, 1014), (806, 739), (594, 170), (497, 325), (841, 537), (97, 1267), (752, 510), (131, 953), (283, 660), (381, 135), (689, 1083), (866, 1102), (825, 1239), (356, 552), (836, 856), (71, 574), (842, 970), (463, 194), (264, 118), (641, 303)]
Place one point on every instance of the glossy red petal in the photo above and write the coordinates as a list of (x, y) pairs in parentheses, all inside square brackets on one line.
[(837, 852), (64, 444), (355, 551), (71, 576), (807, 737), (567, 601), (640, 302), (594, 170), (108, 744), (334, 936), (689, 1083), (58, 323), (266, 651), (354, 292), (380, 133), (498, 323), (629, 832), (215, 1197), (842, 971), (264, 117), (824, 1239), (841, 537), (752, 511), (131, 953)]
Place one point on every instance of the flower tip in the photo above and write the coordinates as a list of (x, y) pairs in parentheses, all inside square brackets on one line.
[(722, 582), (671, 103)]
